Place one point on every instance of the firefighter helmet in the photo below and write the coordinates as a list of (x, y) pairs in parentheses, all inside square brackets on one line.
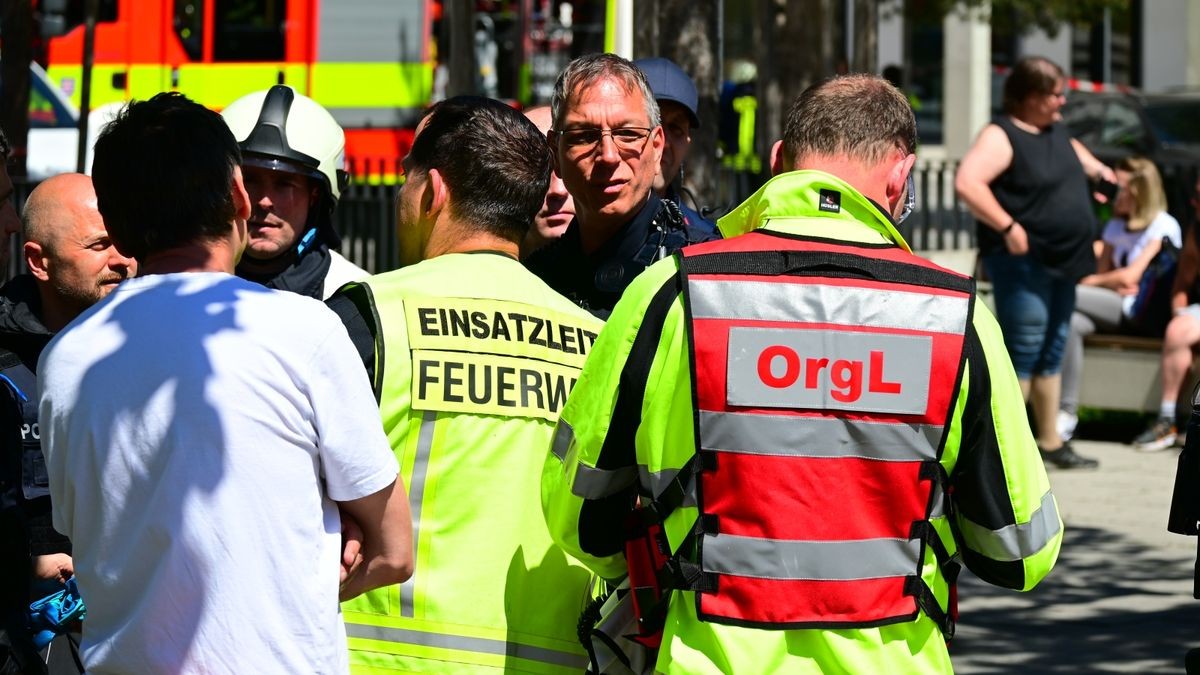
[(282, 130)]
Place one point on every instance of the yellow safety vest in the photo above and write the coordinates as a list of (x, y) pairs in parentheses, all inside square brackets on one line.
[(474, 360)]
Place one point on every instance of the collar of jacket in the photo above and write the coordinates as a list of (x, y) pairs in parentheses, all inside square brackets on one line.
[(796, 194), (305, 276)]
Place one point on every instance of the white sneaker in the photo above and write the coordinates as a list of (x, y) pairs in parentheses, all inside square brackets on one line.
[(1066, 424)]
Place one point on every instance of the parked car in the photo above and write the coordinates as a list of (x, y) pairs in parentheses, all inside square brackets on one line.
[(1162, 127)]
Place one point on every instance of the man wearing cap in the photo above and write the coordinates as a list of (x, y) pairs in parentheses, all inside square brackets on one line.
[(292, 152), (677, 103), (607, 144)]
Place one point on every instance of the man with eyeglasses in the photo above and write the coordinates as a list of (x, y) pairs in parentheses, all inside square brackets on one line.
[(823, 424), (607, 142)]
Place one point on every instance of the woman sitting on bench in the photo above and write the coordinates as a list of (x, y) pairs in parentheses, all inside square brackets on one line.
[(1130, 292)]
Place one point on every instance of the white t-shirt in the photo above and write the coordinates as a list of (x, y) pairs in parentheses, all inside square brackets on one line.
[(1126, 244), (197, 428)]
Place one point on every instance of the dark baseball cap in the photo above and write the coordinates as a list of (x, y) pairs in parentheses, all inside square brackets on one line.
[(668, 82)]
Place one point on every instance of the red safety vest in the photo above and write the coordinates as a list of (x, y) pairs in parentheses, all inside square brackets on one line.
[(825, 374)]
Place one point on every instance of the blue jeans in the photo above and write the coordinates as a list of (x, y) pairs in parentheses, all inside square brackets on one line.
[(1034, 310)]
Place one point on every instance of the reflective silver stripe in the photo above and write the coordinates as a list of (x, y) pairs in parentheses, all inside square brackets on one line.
[(821, 303), (655, 482), (810, 560), (818, 437), (939, 502), (466, 644), (1014, 542), (416, 495), (592, 483), (564, 434)]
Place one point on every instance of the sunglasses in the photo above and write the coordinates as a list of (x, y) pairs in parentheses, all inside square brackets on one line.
[(910, 200)]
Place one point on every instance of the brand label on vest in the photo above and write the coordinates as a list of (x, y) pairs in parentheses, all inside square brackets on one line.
[(830, 201), (828, 369)]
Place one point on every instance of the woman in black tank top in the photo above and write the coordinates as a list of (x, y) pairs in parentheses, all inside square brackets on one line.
[(1026, 182)]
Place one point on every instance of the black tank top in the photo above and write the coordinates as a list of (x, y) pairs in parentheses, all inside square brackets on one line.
[(1046, 190)]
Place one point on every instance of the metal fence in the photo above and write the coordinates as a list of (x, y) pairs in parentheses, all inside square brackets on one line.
[(366, 215), (367, 220)]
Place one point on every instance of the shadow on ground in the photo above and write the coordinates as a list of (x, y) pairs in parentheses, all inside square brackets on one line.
[(1111, 604)]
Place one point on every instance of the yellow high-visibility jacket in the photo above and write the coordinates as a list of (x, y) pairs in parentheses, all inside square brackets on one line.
[(1001, 510), (474, 360)]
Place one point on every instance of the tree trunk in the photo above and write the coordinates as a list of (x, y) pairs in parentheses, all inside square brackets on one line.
[(686, 32), (866, 37), (16, 33), (797, 49), (460, 63)]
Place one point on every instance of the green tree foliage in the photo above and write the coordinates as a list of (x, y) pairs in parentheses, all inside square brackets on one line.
[(1016, 15)]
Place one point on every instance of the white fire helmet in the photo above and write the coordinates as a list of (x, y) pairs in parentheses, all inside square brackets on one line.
[(282, 130)]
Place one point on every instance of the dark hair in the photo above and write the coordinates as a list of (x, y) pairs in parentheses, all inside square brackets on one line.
[(162, 172), (859, 116), (5, 148), (1031, 76), (494, 160)]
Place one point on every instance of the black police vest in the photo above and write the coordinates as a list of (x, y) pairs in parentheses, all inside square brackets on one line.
[(23, 388), (668, 232)]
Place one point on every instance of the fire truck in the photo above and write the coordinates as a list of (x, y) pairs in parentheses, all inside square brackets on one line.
[(372, 63)]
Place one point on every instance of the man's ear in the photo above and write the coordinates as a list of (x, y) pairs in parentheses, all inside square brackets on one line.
[(241, 198), (436, 193), (36, 260), (777, 159), (897, 178)]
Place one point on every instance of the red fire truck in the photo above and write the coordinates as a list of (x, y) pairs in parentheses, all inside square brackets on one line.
[(372, 63)]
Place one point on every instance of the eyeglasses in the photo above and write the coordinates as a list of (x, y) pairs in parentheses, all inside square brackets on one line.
[(629, 140)]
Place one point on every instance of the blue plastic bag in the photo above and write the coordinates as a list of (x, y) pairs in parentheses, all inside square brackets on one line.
[(51, 615)]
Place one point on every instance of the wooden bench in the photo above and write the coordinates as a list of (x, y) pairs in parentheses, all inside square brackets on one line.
[(1123, 372)]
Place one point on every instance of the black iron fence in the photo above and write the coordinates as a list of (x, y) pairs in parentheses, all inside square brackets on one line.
[(366, 215)]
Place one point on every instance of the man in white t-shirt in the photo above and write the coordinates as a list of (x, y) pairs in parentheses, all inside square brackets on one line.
[(201, 431)]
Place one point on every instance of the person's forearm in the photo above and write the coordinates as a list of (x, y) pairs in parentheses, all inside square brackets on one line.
[(387, 540), (1113, 279), (377, 571)]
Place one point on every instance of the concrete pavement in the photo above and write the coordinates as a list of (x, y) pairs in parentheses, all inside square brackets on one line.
[(1120, 598)]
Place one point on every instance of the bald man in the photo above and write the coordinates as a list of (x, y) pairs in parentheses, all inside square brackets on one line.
[(558, 208), (70, 257), (72, 265)]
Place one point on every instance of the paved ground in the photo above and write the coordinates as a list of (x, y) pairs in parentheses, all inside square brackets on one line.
[(1120, 598)]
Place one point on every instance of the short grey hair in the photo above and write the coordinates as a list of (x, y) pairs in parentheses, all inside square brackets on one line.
[(590, 69)]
